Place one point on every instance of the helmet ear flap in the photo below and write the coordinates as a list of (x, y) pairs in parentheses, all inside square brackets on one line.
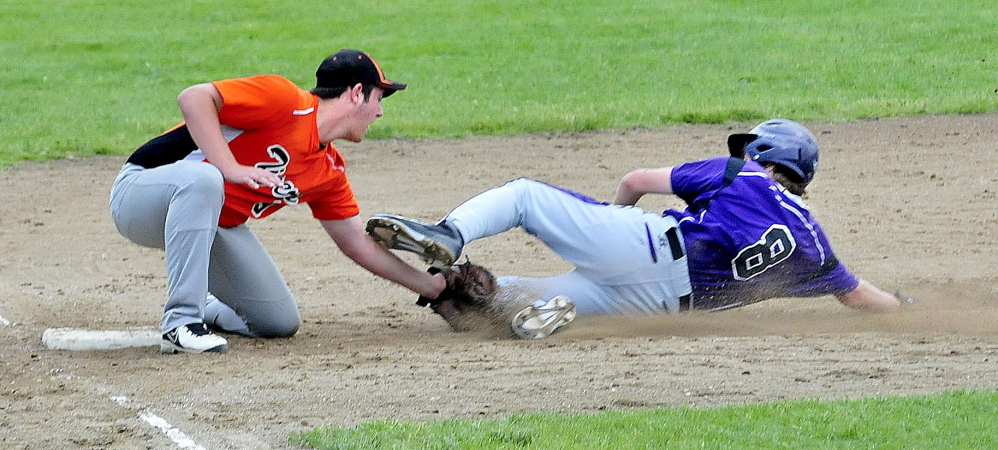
[(737, 143)]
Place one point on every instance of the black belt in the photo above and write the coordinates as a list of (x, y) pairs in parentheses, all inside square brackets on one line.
[(685, 302), (674, 244)]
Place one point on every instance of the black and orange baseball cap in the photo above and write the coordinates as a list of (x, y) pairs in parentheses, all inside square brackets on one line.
[(348, 67)]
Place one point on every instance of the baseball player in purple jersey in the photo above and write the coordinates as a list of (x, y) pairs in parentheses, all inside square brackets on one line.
[(745, 236)]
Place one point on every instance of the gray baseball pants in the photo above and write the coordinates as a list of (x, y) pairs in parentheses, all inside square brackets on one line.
[(176, 208), (624, 260)]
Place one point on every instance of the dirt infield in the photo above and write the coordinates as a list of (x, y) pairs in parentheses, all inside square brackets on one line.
[(909, 204)]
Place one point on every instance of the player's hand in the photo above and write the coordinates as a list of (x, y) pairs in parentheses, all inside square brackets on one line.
[(905, 299), (253, 177)]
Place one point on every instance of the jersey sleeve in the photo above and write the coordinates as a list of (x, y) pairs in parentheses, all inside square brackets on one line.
[(838, 281), (255, 102), (337, 204), (693, 179), (336, 200)]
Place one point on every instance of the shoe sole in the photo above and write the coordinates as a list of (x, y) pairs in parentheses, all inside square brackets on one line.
[(396, 235), (171, 348), (538, 322)]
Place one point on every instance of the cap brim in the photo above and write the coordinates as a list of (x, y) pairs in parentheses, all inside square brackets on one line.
[(737, 143), (390, 87)]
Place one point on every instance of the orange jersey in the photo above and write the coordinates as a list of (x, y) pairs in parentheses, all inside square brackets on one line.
[(269, 123), (275, 122)]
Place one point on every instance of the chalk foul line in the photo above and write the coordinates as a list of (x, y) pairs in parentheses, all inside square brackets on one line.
[(178, 437)]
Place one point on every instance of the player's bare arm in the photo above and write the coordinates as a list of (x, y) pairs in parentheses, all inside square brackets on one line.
[(353, 241), (639, 182), (200, 105), (868, 297)]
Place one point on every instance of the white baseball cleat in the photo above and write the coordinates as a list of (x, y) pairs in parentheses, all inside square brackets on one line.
[(542, 318), (192, 338)]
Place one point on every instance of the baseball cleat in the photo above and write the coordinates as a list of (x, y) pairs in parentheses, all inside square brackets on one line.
[(439, 245), (192, 338), (542, 318)]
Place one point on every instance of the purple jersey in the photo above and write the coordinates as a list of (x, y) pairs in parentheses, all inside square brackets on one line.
[(751, 240)]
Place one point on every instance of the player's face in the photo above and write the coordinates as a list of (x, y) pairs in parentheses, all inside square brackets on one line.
[(367, 112)]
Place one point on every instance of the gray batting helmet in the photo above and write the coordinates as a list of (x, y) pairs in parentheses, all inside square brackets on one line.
[(779, 141)]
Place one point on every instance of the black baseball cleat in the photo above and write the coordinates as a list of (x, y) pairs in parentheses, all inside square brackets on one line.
[(192, 338), (439, 245)]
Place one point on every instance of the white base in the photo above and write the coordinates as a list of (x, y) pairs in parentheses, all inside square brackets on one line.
[(83, 339)]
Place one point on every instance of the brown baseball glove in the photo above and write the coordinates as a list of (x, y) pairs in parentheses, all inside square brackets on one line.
[(468, 297)]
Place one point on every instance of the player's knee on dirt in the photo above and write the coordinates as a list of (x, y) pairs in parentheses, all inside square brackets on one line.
[(275, 322), (275, 329)]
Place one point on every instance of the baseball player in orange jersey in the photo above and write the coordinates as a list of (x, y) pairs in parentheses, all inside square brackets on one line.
[(247, 148)]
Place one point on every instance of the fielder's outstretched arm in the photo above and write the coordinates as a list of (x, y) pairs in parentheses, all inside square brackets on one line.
[(353, 241)]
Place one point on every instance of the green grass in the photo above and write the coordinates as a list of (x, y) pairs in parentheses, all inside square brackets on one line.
[(84, 77), (949, 420)]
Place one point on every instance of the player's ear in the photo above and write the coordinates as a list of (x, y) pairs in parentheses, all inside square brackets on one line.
[(357, 94)]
